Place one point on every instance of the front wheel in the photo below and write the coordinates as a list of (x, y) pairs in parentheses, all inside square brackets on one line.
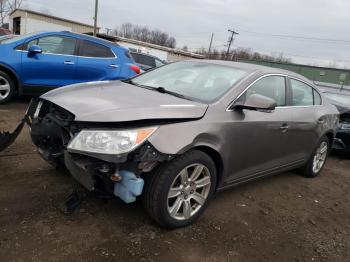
[(178, 192), (7, 88), (318, 159)]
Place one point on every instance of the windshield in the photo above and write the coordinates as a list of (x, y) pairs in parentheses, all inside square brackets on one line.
[(340, 98), (200, 81)]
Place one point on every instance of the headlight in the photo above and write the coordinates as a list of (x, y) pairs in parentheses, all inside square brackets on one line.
[(111, 142), (345, 126)]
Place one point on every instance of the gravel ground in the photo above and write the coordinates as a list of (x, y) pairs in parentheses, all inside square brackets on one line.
[(281, 218)]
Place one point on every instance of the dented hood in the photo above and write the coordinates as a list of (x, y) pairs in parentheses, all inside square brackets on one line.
[(116, 101)]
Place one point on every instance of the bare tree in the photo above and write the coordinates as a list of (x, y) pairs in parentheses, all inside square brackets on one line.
[(244, 54), (143, 33), (3, 11), (7, 7)]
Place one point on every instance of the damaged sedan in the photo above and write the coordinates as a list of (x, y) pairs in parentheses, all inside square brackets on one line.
[(176, 135)]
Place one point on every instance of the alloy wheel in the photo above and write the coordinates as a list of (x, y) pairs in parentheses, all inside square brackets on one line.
[(5, 88), (189, 191), (320, 157)]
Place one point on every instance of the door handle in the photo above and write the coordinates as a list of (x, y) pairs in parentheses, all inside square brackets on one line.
[(284, 128), (68, 63), (114, 66)]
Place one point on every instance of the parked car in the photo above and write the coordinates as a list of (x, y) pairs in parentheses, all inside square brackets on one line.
[(35, 63), (4, 31), (180, 133), (341, 99), (147, 62)]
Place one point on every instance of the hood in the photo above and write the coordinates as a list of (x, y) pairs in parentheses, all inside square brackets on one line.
[(116, 101)]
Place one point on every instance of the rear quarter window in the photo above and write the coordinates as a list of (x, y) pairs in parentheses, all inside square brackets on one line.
[(90, 49)]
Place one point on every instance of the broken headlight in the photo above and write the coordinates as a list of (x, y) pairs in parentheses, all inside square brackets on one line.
[(111, 142)]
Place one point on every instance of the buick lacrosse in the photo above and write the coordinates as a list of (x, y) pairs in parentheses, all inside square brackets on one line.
[(178, 134)]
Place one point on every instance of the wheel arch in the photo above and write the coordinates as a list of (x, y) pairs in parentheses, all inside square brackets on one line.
[(330, 135), (215, 156), (12, 74)]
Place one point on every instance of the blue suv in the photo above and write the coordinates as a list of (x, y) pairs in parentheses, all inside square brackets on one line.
[(33, 64)]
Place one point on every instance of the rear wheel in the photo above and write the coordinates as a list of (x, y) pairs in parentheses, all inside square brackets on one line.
[(318, 159), (178, 192), (7, 88)]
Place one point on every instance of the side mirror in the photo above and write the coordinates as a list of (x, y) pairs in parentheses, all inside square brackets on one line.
[(257, 102), (34, 49)]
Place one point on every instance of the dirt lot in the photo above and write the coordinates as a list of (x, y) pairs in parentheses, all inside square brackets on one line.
[(282, 218)]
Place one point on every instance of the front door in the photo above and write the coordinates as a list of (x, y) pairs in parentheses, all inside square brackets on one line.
[(260, 139), (54, 67)]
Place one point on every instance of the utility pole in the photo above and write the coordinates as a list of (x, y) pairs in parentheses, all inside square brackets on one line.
[(211, 42), (95, 17), (108, 30), (230, 41)]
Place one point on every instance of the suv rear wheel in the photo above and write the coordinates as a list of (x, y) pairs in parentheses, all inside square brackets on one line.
[(178, 192), (7, 87)]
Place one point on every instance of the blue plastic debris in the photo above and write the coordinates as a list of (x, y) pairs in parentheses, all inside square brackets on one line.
[(129, 188)]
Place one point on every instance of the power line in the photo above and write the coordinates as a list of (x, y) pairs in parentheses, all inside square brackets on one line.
[(301, 56), (194, 35), (298, 37)]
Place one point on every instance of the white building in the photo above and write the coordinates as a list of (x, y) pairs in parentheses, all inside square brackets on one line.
[(25, 21), (162, 52)]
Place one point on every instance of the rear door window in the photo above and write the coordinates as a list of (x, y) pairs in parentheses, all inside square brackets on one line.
[(273, 87), (90, 49), (302, 94)]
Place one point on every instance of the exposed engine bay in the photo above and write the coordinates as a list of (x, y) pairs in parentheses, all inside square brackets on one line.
[(52, 128)]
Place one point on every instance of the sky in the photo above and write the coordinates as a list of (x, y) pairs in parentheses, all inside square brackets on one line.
[(314, 32)]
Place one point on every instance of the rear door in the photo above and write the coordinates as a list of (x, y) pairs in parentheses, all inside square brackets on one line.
[(56, 66), (307, 118), (96, 62)]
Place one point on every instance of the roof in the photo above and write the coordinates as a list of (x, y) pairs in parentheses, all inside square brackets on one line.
[(145, 44), (52, 17), (91, 37), (257, 68)]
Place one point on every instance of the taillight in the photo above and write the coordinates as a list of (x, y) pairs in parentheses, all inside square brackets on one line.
[(136, 69)]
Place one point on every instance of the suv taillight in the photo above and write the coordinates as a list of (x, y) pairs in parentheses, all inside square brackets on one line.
[(136, 69)]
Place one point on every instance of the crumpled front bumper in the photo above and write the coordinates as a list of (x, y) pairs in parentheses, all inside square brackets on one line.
[(8, 138)]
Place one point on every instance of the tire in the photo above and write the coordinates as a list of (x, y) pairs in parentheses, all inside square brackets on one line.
[(7, 88), (167, 176), (309, 170)]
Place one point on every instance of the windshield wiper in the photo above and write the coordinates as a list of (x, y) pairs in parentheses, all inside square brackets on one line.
[(158, 89), (165, 91)]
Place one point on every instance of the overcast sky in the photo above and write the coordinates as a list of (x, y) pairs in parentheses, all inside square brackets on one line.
[(267, 26)]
